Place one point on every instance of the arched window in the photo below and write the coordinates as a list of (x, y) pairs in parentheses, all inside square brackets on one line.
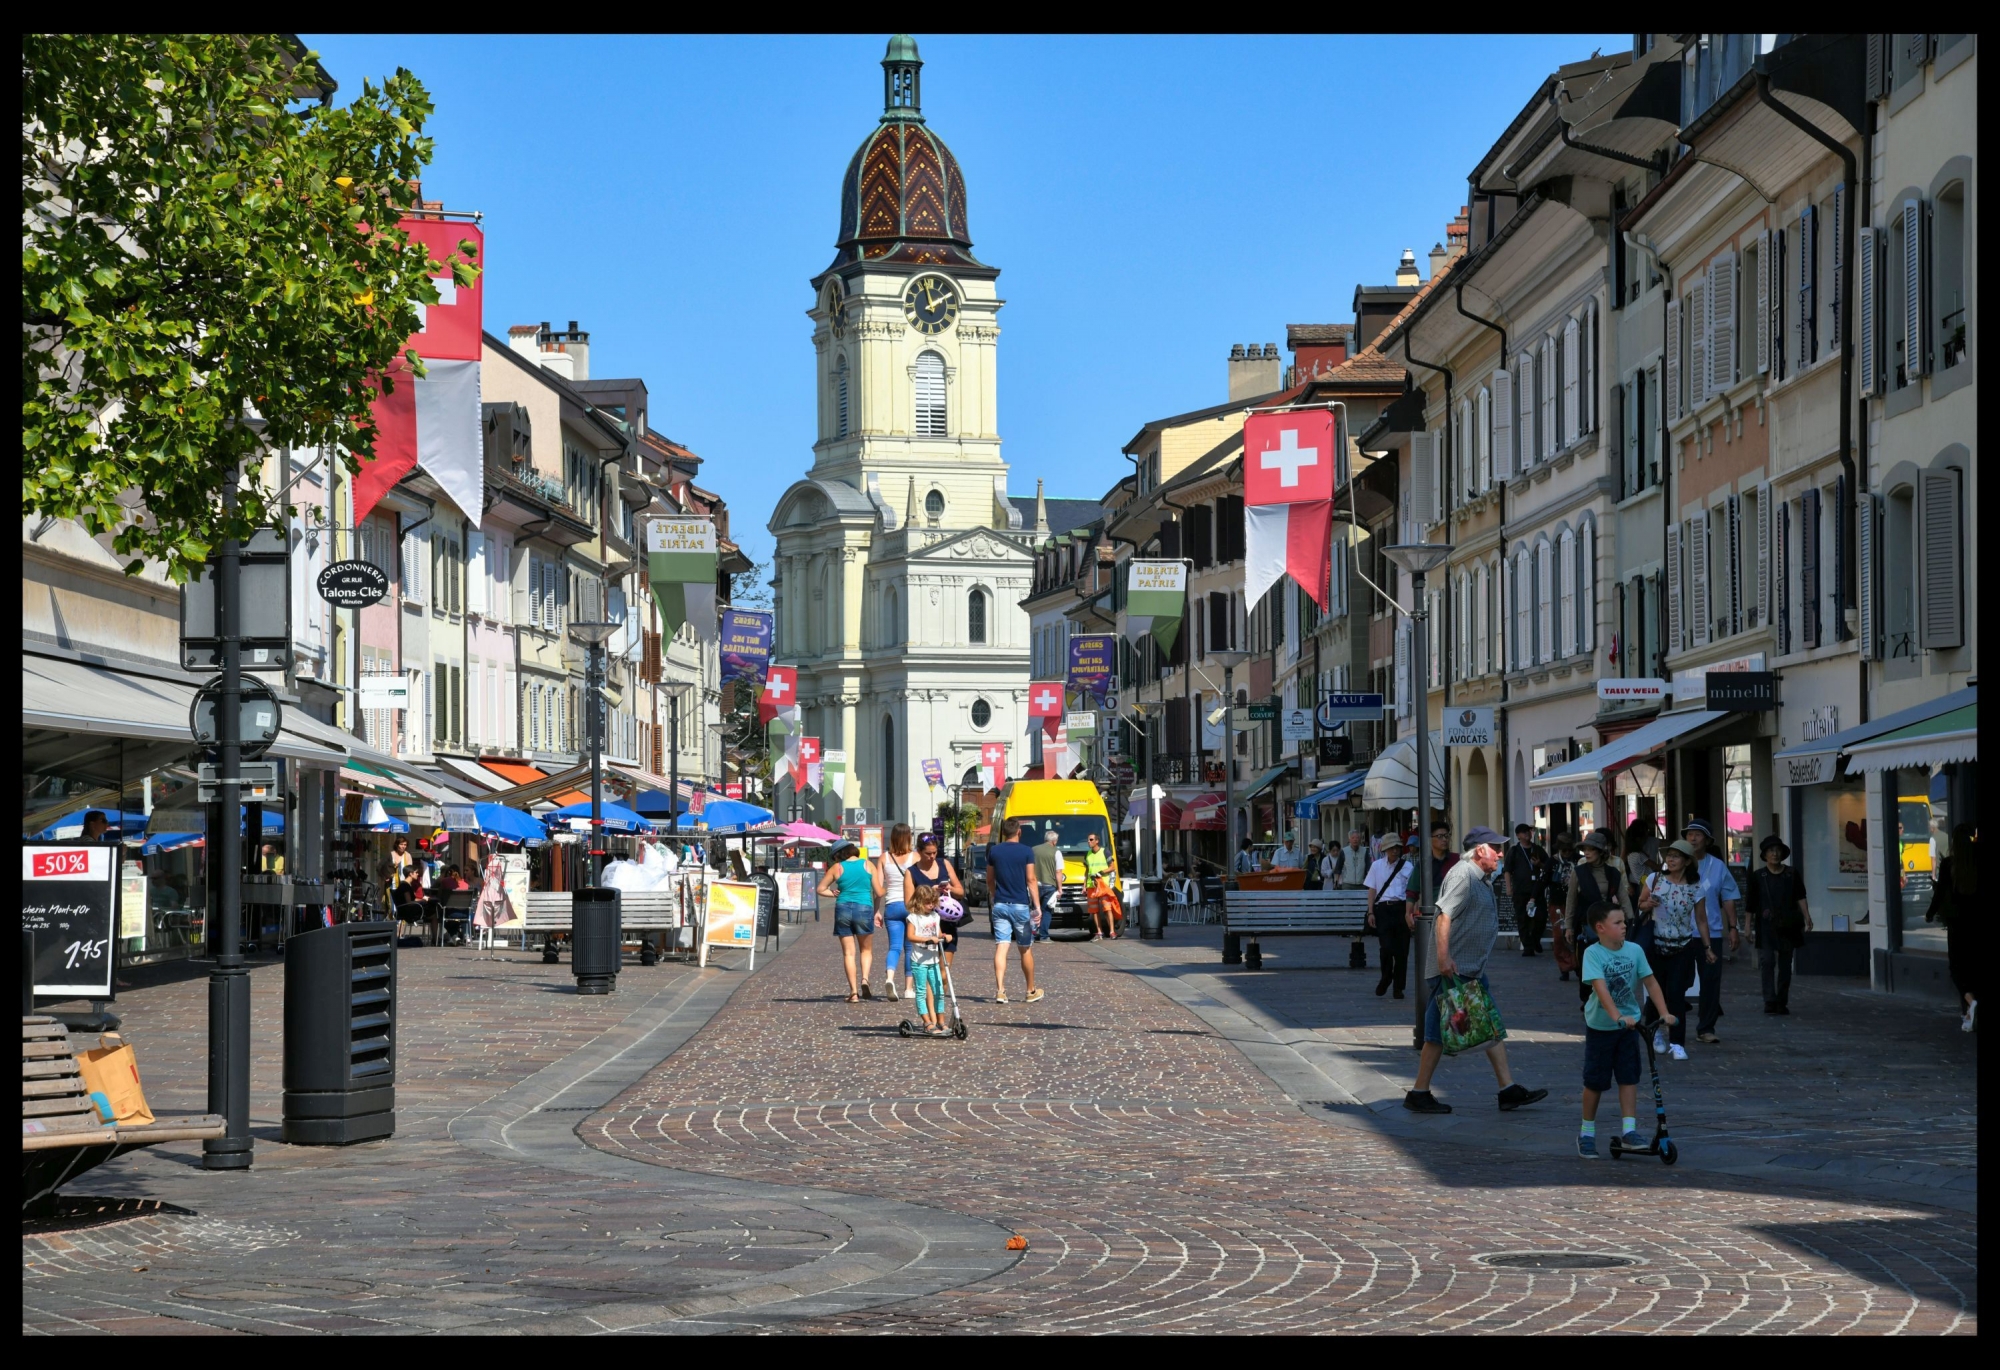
[(1586, 588), (1523, 646), (892, 625), (934, 505), (1566, 572), (1543, 593), (888, 769), (975, 616), (840, 399), (930, 396)]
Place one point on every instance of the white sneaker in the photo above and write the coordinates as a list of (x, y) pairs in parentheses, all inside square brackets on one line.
[(1677, 1052), (1659, 1041), (1970, 1016)]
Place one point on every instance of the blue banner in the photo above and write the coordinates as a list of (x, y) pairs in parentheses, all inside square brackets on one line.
[(746, 643), (1091, 663)]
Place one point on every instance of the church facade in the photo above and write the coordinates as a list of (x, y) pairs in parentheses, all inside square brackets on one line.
[(901, 560)]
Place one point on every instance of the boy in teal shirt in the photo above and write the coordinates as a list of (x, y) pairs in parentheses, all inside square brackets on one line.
[(1616, 971)]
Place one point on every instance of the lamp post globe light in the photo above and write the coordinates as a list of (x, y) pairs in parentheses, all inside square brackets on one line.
[(1417, 560), (1230, 661)]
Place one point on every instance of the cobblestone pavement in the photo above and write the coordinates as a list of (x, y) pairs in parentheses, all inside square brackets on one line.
[(1165, 1184)]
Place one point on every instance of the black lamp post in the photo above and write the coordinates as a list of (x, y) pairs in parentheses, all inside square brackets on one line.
[(1418, 560), (593, 633)]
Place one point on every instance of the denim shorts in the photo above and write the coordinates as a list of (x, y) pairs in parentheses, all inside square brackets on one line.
[(853, 920), (1014, 923), (1433, 1030), (1609, 1055)]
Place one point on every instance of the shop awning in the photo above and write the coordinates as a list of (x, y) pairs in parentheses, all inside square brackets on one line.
[(1308, 807), (1816, 762), (533, 784), (1391, 783), (473, 773), (1204, 814), (1170, 812), (1936, 741), (1581, 780), (76, 697), (1265, 782)]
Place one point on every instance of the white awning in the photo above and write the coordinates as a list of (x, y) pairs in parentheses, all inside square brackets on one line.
[(1582, 780), (76, 697), (1934, 742), (1392, 780), (472, 771), (1816, 762)]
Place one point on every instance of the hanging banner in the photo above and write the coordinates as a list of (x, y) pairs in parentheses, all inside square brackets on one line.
[(829, 776), (993, 765), (1057, 756), (1288, 462), (1091, 662), (934, 773), (433, 421), (1155, 600), (1045, 705), (681, 566), (806, 763), (780, 693), (746, 643)]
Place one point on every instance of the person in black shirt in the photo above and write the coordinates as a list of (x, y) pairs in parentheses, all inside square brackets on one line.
[(1776, 898), (1526, 874)]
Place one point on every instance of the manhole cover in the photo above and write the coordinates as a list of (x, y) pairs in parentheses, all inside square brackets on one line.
[(1556, 1260), (747, 1236), (269, 1291)]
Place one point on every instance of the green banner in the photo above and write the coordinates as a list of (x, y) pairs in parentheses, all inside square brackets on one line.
[(681, 567), (1155, 600)]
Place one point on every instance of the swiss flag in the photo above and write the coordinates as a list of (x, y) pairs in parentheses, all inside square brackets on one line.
[(808, 750), (781, 691), (993, 765), (1288, 479), (1045, 699)]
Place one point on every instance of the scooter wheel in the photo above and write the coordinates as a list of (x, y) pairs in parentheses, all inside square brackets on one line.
[(958, 1028), (1669, 1153), (1615, 1149), (904, 1027)]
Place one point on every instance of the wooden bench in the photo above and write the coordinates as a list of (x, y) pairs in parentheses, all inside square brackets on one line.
[(61, 1134), (1248, 915), (648, 911)]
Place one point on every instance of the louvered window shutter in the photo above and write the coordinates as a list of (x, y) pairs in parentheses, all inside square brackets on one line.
[(1878, 65), (1566, 603), (1524, 415), (1438, 472), (1763, 607), (1587, 587), (1673, 362), (1549, 383), (1866, 269), (1809, 615), (1842, 502), (1781, 567), (1482, 474), (1627, 434), (1763, 320), (1808, 280), (1834, 302), (1572, 410), (477, 548), (1697, 327), (1868, 533), (1421, 476), (1916, 346), (1502, 467), (1943, 588), (930, 396), (1524, 612), (1699, 603), (1735, 507), (1722, 323), (1589, 357)]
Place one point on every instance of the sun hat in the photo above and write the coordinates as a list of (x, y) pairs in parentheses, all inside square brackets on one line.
[(1598, 841), (1699, 825), (1784, 852), (1685, 849), (1393, 839)]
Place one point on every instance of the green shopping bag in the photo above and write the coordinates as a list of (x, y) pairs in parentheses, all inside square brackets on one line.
[(1466, 1016)]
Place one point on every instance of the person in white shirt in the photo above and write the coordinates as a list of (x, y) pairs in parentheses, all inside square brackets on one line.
[(1352, 861), (1286, 858), (1388, 884), (1719, 895)]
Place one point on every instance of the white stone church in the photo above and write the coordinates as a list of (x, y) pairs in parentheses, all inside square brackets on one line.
[(901, 559)]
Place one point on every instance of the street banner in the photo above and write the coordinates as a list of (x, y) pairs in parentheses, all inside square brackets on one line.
[(993, 765), (780, 693), (806, 763), (1057, 757), (433, 421), (681, 566), (1288, 467), (829, 775), (1091, 661), (697, 804), (1080, 724), (1155, 600), (1045, 699), (781, 737), (746, 643), (934, 773)]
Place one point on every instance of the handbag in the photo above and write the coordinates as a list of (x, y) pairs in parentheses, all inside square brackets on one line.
[(113, 1071), (1466, 1016)]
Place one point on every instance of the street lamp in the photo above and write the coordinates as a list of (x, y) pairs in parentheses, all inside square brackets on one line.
[(1418, 560), (593, 633), (1230, 661), (675, 689)]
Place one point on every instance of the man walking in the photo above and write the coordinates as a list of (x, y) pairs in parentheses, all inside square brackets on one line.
[(1461, 941), (1776, 899), (1016, 904), (1443, 858), (1526, 870), (1352, 863), (1388, 886), (1049, 876), (1718, 894)]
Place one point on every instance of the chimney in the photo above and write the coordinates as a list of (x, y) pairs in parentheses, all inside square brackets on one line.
[(1438, 258), (1406, 270), (1254, 370), (1458, 233), (565, 353), (521, 337)]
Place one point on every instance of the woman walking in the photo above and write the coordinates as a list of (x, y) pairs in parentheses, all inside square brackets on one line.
[(896, 865), (491, 909), (932, 869), (1593, 880), (854, 883), (1674, 898)]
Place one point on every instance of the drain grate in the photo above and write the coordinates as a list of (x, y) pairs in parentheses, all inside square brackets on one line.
[(1556, 1260)]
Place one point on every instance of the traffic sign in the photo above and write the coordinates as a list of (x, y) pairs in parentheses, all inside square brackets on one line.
[(1347, 707), (353, 584), (257, 708), (258, 779)]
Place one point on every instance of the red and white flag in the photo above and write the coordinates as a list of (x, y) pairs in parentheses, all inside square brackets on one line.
[(433, 421), (1045, 705), (1288, 475), (809, 762), (993, 765), (781, 693)]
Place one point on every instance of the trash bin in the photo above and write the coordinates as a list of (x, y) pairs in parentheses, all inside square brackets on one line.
[(1153, 909), (596, 940), (340, 1035)]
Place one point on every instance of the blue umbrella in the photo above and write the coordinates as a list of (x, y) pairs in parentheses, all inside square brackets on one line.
[(653, 804), (720, 815), (497, 820), (169, 841), (617, 818), (71, 824)]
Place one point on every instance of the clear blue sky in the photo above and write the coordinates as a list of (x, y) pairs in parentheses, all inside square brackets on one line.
[(1149, 201)]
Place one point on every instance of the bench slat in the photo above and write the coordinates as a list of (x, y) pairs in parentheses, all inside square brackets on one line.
[(52, 1046), (56, 1065), (193, 1128), (44, 1089), (78, 1104)]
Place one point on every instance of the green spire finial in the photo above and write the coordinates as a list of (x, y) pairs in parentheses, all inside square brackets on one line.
[(900, 79)]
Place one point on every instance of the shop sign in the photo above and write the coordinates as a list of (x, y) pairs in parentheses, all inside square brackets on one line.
[(1743, 691), (1468, 727), (1631, 690), (1821, 722), (1296, 725), (68, 893), (1817, 769), (353, 584), (257, 781), (460, 818), (1349, 707), (1336, 751), (1080, 725), (1691, 684), (385, 692)]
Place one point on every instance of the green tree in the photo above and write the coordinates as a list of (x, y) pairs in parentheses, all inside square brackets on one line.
[(205, 244)]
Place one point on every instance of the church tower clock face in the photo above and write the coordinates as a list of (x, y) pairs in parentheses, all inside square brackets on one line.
[(930, 303)]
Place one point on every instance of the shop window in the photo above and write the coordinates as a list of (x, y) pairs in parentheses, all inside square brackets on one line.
[(1741, 850), (1948, 274), (1899, 590)]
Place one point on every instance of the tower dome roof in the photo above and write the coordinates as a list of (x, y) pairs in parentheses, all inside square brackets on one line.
[(903, 197)]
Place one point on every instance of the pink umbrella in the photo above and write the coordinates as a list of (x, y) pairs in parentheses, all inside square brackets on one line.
[(807, 832)]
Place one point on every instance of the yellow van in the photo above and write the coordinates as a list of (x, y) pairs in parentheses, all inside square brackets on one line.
[(1076, 810)]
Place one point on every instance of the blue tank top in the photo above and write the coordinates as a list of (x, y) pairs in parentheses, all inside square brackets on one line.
[(857, 883)]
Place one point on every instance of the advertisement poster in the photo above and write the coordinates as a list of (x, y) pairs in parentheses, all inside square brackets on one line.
[(132, 901), (732, 919), (934, 772), (1091, 660), (514, 880), (746, 643), (67, 897)]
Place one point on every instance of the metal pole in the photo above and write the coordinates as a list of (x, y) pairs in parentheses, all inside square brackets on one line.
[(594, 681), (1420, 707), (229, 982), (1228, 772), (674, 766)]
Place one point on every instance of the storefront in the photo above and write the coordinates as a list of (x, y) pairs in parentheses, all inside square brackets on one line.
[(1320, 812), (1626, 774)]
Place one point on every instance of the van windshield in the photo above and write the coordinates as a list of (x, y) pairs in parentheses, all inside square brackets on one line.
[(1072, 830)]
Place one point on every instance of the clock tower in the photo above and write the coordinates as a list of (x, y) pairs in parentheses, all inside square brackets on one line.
[(901, 558)]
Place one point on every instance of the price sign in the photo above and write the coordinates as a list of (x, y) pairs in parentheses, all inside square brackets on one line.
[(69, 897)]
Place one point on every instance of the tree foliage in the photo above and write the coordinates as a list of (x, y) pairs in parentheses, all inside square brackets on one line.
[(205, 246)]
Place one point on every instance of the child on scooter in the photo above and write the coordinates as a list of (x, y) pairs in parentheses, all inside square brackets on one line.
[(925, 942), (1616, 971)]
